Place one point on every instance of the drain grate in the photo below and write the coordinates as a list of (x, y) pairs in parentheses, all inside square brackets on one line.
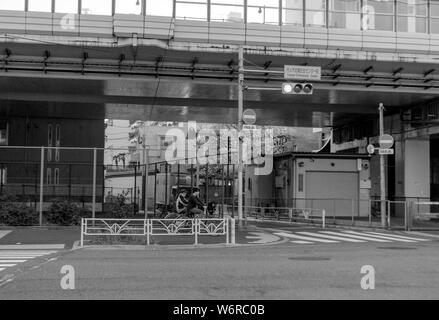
[(309, 258)]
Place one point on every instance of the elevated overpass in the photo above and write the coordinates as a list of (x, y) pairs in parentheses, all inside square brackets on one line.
[(162, 68)]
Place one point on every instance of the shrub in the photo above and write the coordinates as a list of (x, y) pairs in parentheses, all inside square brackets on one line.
[(64, 213), (119, 209), (13, 213)]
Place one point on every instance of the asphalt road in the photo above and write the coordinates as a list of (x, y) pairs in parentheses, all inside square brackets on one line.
[(281, 271)]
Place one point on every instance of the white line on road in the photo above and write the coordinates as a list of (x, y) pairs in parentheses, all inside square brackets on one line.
[(383, 237), (1, 269), (4, 265), (357, 237), (398, 236), (32, 246), (293, 236), (3, 233), (312, 234), (300, 242), (15, 261)]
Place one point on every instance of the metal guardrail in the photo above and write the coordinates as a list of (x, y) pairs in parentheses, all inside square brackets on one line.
[(159, 227), (299, 215)]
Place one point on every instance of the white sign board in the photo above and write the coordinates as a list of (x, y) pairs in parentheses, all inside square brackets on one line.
[(386, 141), (386, 152), (302, 72)]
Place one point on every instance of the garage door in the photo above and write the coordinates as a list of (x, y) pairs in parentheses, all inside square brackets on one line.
[(332, 191)]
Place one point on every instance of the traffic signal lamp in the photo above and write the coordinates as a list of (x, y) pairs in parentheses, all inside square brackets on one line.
[(297, 88)]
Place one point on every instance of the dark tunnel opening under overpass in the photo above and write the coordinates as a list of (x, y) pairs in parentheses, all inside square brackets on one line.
[(193, 100)]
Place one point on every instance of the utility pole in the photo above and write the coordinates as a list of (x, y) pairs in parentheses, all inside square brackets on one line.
[(240, 125), (382, 171)]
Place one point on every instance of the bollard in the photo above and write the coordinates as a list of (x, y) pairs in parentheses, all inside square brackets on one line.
[(232, 233), (324, 219), (196, 231)]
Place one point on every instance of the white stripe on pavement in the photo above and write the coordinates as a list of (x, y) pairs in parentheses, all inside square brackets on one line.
[(3, 233), (7, 265), (312, 234), (12, 261), (293, 236), (357, 237), (382, 237), (1, 269), (32, 246), (397, 236), (300, 242)]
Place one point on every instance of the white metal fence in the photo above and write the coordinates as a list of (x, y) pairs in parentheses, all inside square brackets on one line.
[(158, 227)]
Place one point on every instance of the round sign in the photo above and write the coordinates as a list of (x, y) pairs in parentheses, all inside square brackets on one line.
[(249, 116), (371, 149), (386, 141)]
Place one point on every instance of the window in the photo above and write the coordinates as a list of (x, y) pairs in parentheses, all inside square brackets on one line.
[(17, 5), (99, 7), (344, 14), (315, 15), (57, 141), (191, 9), (49, 142), (49, 176), (162, 8), (412, 16), (292, 12), (128, 7), (56, 178), (3, 133), (227, 10), (66, 6), (434, 16), (40, 5), (263, 11), (378, 15)]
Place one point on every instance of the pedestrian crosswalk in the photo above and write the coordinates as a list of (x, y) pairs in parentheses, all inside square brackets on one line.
[(11, 258), (348, 236)]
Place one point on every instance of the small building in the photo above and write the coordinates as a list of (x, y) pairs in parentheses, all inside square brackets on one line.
[(338, 183)]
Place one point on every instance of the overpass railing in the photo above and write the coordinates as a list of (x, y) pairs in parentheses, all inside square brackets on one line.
[(148, 228)]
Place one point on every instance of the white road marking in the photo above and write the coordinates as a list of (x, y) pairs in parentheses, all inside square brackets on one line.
[(10, 258), (356, 237), (263, 237), (293, 236), (397, 236), (32, 246), (300, 242), (383, 237), (312, 234), (4, 233)]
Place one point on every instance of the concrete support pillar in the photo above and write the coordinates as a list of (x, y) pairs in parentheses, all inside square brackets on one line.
[(414, 156)]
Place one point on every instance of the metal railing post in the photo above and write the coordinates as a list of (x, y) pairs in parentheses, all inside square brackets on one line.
[(147, 222), (94, 183), (323, 218), (388, 214), (82, 232), (196, 231), (41, 186)]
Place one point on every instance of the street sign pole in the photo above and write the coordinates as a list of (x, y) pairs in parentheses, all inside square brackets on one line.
[(240, 124), (382, 171)]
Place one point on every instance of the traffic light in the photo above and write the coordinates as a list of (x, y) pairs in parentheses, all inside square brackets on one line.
[(297, 88)]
